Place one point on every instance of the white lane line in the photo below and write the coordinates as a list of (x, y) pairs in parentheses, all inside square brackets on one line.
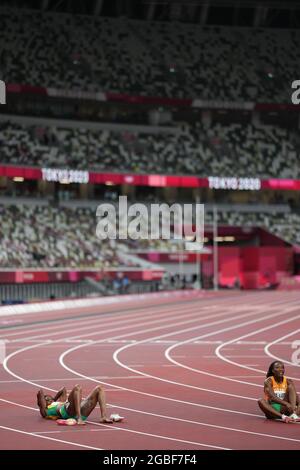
[(214, 426), (129, 324), (61, 441), (88, 378), (239, 325), (156, 311), (248, 356), (2, 351), (267, 328), (108, 427), (132, 333), (48, 307), (170, 399), (91, 324), (31, 347), (226, 428), (61, 359), (244, 376), (278, 341), (86, 429), (71, 379), (209, 374), (127, 389), (119, 319)]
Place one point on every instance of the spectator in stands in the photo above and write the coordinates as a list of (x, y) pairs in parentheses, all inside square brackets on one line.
[(117, 286), (125, 284), (185, 151)]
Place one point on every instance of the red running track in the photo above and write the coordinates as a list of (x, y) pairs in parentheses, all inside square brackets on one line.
[(185, 370)]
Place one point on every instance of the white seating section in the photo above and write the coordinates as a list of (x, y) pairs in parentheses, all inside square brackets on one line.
[(57, 237), (148, 58), (232, 150)]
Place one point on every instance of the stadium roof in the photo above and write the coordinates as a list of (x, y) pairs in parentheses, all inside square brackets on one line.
[(266, 13)]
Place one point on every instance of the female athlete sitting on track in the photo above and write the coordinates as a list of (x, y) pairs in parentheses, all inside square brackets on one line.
[(74, 406), (281, 400)]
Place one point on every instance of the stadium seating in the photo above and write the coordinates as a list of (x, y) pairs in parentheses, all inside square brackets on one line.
[(57, 237), (148, 58), (52, 237), (221, 150)]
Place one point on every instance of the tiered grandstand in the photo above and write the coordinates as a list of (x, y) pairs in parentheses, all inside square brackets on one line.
[(154, 59), (162, 111), (227, 150)]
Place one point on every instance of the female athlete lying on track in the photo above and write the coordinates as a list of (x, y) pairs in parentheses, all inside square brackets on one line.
[(74, 406), (281, 399)]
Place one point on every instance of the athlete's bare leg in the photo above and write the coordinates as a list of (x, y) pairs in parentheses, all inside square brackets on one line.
[(270, 412), (292, 396), (73, 404), (97, 396)]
